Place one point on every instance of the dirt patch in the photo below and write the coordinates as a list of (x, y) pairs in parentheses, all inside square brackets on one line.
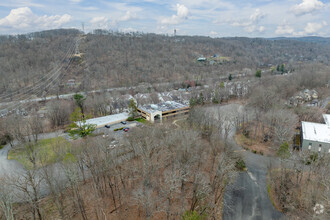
[(254, 146)]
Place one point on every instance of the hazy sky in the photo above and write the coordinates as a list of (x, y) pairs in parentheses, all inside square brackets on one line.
[(215, 18)]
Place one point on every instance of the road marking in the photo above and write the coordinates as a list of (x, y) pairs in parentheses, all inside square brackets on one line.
[(252, 177), (239, 150)]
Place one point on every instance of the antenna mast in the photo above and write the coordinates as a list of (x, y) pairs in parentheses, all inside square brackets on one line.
[(83, 27)]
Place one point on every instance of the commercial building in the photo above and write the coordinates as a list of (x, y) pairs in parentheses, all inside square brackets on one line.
[(316, 136), (108, 120), (163, 111)]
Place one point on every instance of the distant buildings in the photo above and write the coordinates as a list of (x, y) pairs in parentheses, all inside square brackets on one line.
[(71, 82), (163, 110), (315, 136), (306, 96)]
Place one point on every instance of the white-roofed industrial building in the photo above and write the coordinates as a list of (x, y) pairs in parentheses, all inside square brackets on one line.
[(316, 136), (164, 110), (108, 120)]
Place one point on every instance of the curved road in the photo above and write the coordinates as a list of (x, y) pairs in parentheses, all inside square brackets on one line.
[(8, 167), (248, 198)]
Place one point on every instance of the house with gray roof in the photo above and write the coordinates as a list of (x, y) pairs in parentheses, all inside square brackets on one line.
[(316, 136)]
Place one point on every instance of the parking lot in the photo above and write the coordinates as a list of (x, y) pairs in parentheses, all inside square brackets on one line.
[(111, 131)]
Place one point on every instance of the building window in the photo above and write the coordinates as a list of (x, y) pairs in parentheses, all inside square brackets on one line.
[(320, 147), (310, 146)]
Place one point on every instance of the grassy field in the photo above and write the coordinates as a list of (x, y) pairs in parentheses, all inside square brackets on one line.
[(47, 151)]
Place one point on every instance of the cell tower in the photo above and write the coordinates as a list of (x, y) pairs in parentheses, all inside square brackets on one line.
[(174, 32), (83, 27)]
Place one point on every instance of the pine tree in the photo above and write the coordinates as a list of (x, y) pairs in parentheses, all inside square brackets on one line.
[(258, 73), (133, 111), (79, 126)]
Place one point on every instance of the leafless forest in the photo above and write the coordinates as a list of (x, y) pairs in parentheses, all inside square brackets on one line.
[(180, 169), (112, 59)]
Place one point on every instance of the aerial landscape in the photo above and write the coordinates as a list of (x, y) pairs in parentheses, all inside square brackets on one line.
[(192, 110)]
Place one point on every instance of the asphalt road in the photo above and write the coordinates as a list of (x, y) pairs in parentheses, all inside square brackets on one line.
[(8, 167), (247, 198)]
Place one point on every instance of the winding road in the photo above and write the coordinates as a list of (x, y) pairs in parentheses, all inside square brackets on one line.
[(8, 167), (247, 198)]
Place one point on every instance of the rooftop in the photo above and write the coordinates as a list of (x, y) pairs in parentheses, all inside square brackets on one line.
[(327, 119), (163, 107), (109, 119), (316, 131)]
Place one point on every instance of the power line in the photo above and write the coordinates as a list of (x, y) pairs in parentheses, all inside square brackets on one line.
[(20, 96), (8, 96), (30, 101), (57, 73)]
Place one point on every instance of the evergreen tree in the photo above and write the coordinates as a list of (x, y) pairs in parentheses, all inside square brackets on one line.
[(79, 126), (200, 100), (284, 151), (80, 99), (282, 68), (133, 111), (278, 68), (258, 73), (192, 102)]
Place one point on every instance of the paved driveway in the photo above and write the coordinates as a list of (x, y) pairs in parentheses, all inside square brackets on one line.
[(248, 198)]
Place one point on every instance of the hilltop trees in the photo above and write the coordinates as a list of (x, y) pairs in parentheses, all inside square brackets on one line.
[(106, 64)]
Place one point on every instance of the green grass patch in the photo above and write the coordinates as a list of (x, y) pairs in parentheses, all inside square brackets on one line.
[(2, 146), (142, 120), (46, 151)]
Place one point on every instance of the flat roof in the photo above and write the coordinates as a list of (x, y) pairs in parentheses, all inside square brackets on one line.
[(109, 119), (163, 107), (316, 132), (327, 119)]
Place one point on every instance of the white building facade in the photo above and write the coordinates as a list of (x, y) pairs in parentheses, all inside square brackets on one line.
[(316, 136)]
